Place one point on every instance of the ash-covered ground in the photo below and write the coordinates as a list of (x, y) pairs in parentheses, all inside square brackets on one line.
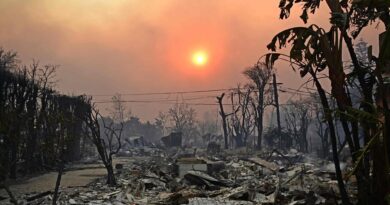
[(192, 176)]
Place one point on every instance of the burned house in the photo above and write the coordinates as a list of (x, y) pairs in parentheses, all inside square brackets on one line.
[(172, 140), (134, 141), (207, 138)]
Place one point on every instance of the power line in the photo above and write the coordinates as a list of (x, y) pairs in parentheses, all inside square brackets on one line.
[(167, 100), (168, 93), (172, 92), (156, 101), (298, 91), (168, 103), (295, 93)]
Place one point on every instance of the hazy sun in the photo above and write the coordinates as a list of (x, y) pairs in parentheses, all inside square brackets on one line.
[(199, 58)]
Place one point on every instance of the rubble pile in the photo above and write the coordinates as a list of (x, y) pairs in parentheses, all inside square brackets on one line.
[(267, 178)]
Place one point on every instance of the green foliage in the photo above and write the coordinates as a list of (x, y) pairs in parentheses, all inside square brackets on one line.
[(357, 14), (339, 19), (388, 199), (346, 16), (371, 3), (364, 152), (305, 52), (353, 114), (308, 6)]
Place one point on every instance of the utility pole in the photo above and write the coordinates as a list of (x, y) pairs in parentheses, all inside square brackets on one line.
[(277, 110)]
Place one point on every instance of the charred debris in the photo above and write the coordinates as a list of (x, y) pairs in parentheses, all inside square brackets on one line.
[(173, 174)]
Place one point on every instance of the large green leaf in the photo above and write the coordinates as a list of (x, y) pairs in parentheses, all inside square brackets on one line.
[(308, 6), (285, 37), (305, 46), (353, 114)]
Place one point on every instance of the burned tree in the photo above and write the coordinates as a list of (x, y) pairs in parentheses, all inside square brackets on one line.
[(241, 120), (297, 117), (322, 129), (260, 75), (224, 120), (161, 122), (208, 129), (36, 122), (182, 119), (105, 147)]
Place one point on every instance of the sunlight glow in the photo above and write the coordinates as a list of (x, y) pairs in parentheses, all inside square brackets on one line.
[(199, 58)]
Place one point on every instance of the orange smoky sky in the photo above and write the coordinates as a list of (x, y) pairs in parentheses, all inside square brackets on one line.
[(137, 46)]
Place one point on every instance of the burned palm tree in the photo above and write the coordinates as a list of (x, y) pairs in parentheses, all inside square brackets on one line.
[(260, 75)]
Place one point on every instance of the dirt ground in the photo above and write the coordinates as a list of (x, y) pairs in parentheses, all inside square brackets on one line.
[(79, 175)]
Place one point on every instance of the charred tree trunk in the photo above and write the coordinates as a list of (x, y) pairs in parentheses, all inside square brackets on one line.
[(325, 143), (13, 159), (332, 131), (111, 180), (105, 151), (260, 74), (275, 86), (380, 152), (58, 182), (332, 52), (13, 200), (259, 125), (224, 123)]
